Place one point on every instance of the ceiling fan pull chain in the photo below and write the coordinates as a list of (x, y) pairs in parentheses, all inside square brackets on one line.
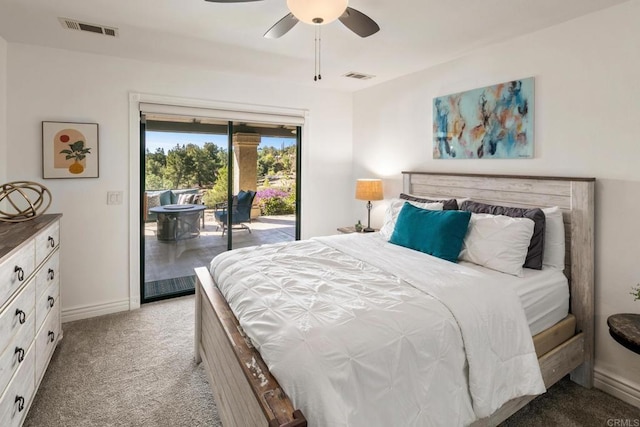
[(319, 52), (315, 56)]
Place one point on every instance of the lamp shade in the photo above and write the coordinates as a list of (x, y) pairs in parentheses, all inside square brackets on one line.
[(317, 11), (369, 189)]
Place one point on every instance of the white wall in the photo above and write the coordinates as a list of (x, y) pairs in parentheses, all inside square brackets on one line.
[(59, 85), (3, 110), (586, 124)]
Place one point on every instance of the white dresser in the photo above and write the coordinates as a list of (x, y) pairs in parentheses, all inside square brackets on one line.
[(30, 325)]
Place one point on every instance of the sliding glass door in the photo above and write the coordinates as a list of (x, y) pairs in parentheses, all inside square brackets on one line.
[(263, 173), (209, 186)]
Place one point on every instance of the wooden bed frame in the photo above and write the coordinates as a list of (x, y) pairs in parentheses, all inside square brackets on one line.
[(248, 395)]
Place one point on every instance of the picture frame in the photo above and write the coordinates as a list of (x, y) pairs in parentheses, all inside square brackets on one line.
[(492, 122), (69, 150)]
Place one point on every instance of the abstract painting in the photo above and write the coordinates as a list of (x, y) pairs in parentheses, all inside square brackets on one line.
[(69, 150), (494, 122)]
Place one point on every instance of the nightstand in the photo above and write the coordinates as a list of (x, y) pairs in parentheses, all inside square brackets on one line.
[(352, 229), (625, 329)]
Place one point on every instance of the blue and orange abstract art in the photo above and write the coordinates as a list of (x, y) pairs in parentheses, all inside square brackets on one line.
[(495, 122)]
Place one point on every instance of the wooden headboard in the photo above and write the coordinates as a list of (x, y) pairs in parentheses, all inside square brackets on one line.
[(574, 196)]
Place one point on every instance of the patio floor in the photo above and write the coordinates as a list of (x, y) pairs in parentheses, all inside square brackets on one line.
[(165, 260)]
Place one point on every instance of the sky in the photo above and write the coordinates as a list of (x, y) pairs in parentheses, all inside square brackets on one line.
[(168, 140)]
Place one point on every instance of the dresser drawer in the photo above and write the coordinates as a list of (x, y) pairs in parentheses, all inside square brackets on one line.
[(14, 354), (13, 318), (47, 241), (47, 302), (16, 399), (46, 341), (16, 270), (48, 274), (29, 319)]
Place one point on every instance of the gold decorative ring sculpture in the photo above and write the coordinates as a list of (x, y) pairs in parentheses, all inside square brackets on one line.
[(18, 195)]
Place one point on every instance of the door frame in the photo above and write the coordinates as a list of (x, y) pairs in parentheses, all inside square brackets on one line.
[(135, 99)]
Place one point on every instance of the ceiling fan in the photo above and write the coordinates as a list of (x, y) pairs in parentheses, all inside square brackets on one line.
[(318, 12)]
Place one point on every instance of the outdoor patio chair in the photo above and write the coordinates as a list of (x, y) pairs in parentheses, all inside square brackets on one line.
[(240, 211)]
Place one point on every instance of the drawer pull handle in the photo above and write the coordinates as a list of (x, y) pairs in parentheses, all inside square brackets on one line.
[(20, 272), (20, 352), (51, 301), (52, 241), (51, 274), (52, 336), (20, 401), (21, 316)]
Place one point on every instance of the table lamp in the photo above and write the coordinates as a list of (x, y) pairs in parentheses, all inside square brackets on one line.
[(369, 189)]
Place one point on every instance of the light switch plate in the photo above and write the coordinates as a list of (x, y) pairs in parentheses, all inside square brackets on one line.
[(114, 197)]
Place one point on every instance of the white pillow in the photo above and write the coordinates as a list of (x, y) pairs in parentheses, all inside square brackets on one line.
[(458, 201), (553, 239), (497, 242), (391, 215)]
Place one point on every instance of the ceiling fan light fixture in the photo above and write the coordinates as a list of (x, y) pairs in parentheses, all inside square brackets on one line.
[(317, 12)]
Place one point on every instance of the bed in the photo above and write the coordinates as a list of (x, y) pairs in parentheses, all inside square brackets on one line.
[(248, 393)]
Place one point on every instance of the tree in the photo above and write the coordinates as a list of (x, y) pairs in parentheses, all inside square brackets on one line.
[(277, 161), (204, 168), (179, 167), (159, 157), (154, 169), (218, 159), (153, 182), (266, 160), (189, 165), (218, 193), (184, 166)]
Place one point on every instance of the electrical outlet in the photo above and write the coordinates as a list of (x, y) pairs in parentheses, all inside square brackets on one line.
[(114, 197)]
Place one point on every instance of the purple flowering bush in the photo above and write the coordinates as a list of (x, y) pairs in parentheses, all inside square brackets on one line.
[(273, 201)]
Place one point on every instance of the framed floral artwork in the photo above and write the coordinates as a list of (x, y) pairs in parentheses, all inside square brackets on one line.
[(69, 150)]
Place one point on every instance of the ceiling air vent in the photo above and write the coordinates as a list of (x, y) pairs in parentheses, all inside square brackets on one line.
[(72, 24), (358, 76)]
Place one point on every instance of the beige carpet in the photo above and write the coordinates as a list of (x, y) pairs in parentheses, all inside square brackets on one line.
[(127, 369), (136, 369), (567, 404)]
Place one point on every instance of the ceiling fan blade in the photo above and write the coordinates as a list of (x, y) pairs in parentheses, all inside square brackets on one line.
[(281, 27), (231, 1), (359, 23)]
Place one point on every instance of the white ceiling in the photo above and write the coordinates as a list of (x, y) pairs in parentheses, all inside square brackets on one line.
[(414, 35)]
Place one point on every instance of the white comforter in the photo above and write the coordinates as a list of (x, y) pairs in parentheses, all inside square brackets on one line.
[(360, 332)]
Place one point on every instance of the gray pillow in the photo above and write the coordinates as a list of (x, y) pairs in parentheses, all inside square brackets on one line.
[(535, 253), (153, 200), (447, 205)]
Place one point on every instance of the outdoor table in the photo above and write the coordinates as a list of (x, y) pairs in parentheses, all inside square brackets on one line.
[(177, 222)]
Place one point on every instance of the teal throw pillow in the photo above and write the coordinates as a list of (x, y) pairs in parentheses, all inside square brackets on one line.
[(437, 233), (165, 198)]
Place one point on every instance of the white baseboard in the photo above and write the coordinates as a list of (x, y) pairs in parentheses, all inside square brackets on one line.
[(621, 388), (87, 311)]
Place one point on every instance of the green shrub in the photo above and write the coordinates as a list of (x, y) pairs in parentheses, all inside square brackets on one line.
[(213, 196), (290, 201), (275, 202)]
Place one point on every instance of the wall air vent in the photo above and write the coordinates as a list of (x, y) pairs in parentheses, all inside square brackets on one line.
[(358, 76), (72, 24)]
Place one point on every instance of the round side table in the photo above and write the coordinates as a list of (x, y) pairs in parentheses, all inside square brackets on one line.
[(625, 328)]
